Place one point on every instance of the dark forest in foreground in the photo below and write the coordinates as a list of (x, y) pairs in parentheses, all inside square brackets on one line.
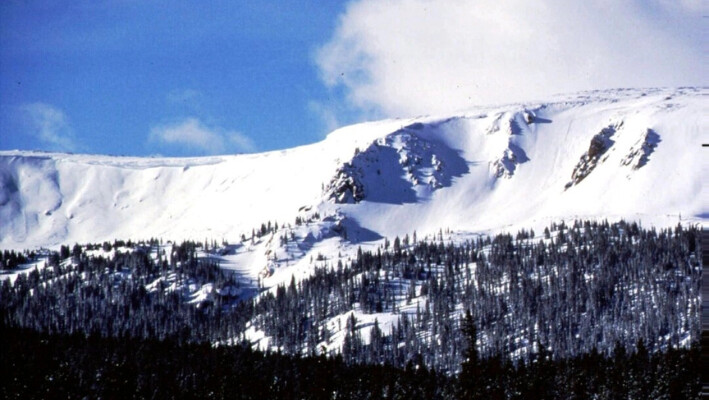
[(591, 308), (37, 366)]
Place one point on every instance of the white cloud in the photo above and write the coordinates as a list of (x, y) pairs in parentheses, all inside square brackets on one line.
[(50, 125), (195, 136), (326, 113), (241, 142), (406, 57)]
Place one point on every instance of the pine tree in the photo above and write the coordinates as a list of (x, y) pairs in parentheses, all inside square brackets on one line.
[(469, 378)]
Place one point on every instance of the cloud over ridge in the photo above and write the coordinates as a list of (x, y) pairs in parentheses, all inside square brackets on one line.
[(49, 125), (408, 57), (193, 134)]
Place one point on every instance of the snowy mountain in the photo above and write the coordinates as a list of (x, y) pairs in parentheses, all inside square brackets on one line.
[(312, 228), (608, 154)]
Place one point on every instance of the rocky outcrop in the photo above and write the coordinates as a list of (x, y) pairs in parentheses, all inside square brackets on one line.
[(599, 146), (399, 168), (511, 125), (640, 152), (346, 186)]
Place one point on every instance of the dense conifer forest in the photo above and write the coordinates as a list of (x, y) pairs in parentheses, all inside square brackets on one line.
[(42, 366), (594, 307)]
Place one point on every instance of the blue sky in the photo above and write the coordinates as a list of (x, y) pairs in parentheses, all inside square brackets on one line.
[(111, 77), (187, 78)]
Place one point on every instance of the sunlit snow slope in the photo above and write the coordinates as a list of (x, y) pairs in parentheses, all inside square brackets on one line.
[(624, 153)]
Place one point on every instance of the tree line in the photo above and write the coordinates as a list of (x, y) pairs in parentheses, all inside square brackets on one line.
[(591, 289)]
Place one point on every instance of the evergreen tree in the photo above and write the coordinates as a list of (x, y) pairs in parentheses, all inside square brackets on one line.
[(470, 382)]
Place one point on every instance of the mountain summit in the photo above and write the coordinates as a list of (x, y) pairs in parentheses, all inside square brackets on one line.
[(633, 154)]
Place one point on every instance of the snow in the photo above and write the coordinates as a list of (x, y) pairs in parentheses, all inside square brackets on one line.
[(534, 195), (483, 170), (37, 264), (479, 172)]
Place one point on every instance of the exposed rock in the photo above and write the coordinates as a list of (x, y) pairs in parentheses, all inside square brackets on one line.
[(600, 143), (506, 165), (640, 152), (398, 168), (346, 186)]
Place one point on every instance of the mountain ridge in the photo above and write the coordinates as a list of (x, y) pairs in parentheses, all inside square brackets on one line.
[(480, 170), (386, 223)]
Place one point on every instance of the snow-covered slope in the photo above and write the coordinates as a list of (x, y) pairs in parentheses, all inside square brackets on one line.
[(610, 154)]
